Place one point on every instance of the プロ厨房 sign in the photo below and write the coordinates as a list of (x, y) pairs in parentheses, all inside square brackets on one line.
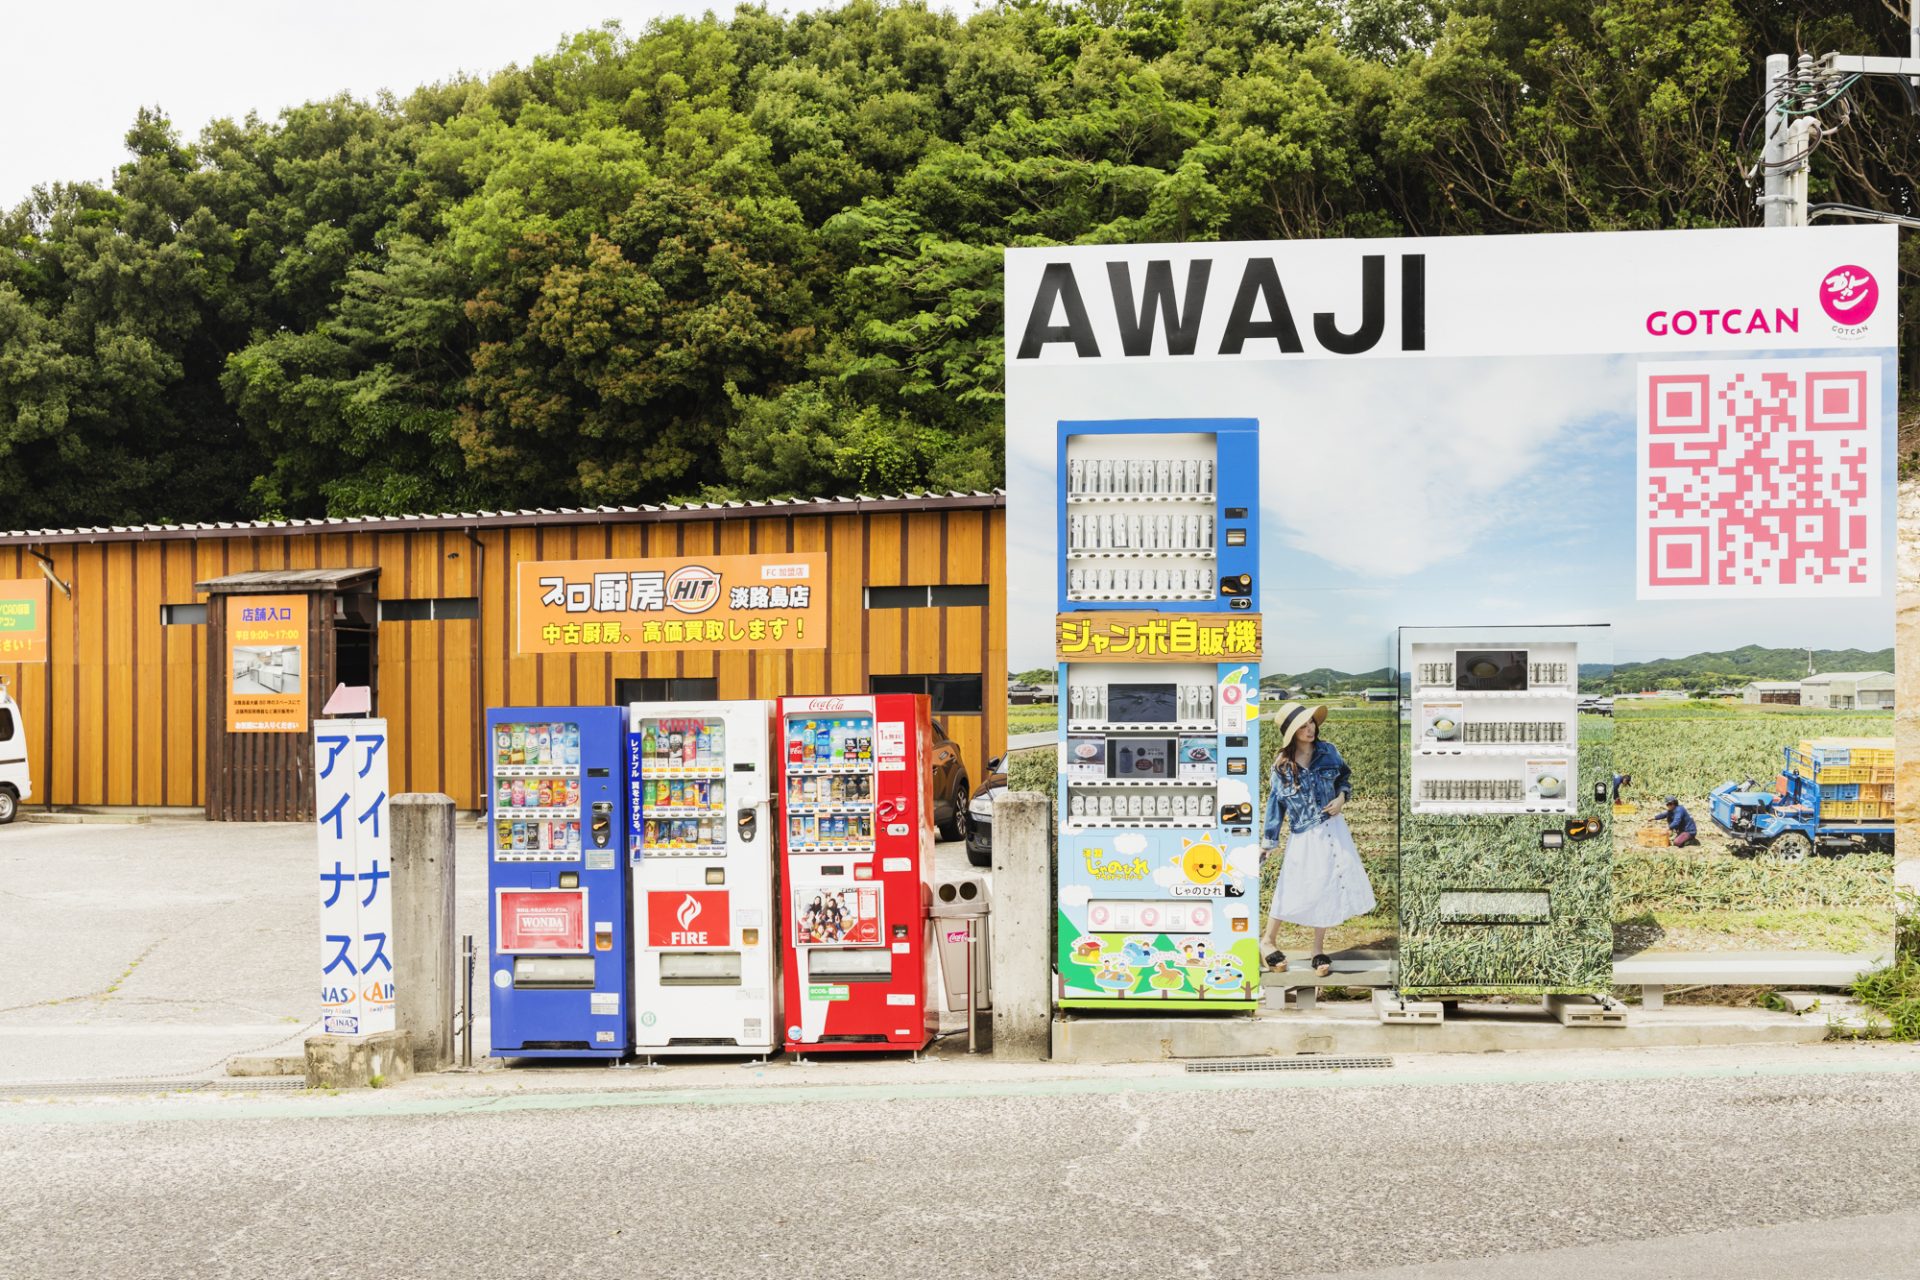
[(771, 602), (23, 620)]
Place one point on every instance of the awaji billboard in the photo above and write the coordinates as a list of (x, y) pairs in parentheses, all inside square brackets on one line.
[(1658, 466)]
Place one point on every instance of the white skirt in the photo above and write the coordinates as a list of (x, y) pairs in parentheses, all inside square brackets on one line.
[(1322, 882)]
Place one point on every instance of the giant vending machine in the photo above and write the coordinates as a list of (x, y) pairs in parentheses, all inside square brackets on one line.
[(1159, 646), (703, 907), (1506, 857), (856, 836), (557, 893)]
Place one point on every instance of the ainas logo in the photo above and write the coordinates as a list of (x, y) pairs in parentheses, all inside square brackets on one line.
[(1848, 295)]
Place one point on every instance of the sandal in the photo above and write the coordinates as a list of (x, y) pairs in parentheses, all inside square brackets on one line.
[(1277, 961), (1323, 965)]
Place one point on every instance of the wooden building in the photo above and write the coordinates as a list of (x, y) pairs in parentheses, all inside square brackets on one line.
[(121, 714)]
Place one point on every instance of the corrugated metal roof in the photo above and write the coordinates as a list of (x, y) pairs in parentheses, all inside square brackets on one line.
[(1827, 677), (949, 500), (286, 580)]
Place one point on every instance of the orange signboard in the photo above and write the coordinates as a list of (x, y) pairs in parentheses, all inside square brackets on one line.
[(23, 620), (267, 667), (769, 602)]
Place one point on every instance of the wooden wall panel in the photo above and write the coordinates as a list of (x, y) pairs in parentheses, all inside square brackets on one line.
[(132, 705)]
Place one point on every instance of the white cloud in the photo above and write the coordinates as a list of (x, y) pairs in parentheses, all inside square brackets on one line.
[(1075, 895), (1132, 844)]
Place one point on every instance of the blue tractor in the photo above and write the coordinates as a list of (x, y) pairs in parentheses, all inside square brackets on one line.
[(1795, 819)]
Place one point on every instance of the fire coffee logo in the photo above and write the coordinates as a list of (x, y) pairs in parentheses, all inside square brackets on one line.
[(1848, 295), (689, 922)]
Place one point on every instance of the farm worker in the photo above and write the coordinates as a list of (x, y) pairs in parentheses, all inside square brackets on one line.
[(1620, 780), (1680, 828)]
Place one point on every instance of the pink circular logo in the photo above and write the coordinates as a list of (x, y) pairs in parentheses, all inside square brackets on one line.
[(1849, 294)]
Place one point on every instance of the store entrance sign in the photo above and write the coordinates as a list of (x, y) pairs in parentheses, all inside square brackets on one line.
[(267, 661)]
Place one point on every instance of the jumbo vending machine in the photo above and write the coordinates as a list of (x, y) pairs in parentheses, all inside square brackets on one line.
[(557, 892), (1159, 644), (702, 857), (857, 843)]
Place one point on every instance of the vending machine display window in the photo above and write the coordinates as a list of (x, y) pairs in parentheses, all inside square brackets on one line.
[(536, 791), (683, 768)]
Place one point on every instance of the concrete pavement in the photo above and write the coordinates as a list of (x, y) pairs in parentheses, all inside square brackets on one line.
[(163, 949)]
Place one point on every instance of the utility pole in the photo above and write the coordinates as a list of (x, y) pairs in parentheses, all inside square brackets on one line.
[(1795, 95)]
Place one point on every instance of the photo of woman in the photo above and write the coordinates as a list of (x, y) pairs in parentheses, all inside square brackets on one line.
[(1322, 883)]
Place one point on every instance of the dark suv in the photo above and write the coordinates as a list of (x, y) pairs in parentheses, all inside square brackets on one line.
[(950, 793)]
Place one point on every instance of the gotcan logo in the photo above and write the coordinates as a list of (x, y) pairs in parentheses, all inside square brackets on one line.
[(1849, 294)]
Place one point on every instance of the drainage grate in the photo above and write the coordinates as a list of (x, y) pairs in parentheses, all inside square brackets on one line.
[(1306, 1062), (102, 1088)]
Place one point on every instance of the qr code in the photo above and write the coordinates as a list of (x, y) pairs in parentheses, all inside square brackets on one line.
[(1759, 478)]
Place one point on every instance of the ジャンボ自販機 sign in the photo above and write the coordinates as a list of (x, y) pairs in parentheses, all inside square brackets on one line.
[(769, 602)]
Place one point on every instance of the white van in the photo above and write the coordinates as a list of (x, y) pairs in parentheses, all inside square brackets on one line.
[(16, 784)]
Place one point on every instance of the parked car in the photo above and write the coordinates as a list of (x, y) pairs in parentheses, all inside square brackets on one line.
[(980, 813), (950, 791), (16, 784)]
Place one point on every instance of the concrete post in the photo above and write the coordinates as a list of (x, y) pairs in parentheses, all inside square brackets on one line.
[(423, 926), (1021, 943)]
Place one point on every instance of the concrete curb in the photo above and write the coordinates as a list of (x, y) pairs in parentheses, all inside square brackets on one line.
[(1356, 1031)]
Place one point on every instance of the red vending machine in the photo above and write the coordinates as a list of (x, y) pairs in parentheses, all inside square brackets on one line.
[(856, 835)]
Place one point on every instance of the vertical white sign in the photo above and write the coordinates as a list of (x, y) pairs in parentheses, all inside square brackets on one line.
[(356, 876)]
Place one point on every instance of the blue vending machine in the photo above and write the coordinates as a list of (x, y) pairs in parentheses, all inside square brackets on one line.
[(557, 893), (1159, 650)]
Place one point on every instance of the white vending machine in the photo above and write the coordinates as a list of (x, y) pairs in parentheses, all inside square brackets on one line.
[(703, 924)]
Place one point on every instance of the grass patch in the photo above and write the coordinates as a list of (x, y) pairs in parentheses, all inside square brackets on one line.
[(1818, 929), (1894, 993), (1038, 718)]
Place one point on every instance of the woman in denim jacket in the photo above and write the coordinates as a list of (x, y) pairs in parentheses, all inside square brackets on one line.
[(1322, 882)]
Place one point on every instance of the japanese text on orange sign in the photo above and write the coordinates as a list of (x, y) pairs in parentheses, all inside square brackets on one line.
[(657, 606), (23, 620), (267, 660), (1157, 637)]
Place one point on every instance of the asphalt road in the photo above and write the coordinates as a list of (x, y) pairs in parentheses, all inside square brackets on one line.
[(1140, 1174)]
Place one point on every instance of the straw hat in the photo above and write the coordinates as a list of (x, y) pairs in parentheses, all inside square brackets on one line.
[(1289, 716)]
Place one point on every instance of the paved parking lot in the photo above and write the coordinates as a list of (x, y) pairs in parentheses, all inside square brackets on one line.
[(164, 948)]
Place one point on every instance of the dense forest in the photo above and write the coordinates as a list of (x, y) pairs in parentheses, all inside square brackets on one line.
[(759, 255)]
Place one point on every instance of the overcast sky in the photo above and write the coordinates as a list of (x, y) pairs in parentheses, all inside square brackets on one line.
[(73, 75)]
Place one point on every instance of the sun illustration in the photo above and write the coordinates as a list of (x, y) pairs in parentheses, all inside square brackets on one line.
[(1201, 861)]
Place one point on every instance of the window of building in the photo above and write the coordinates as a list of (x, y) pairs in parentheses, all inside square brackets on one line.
[(666, 689), (950, 694), (183, 615), (948, 596), (442, 609)]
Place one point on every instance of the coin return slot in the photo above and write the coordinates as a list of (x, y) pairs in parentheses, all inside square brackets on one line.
[(849, 964), (700, 969), (716, 875), (553, 973), (569, 879), (1236, 537)]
